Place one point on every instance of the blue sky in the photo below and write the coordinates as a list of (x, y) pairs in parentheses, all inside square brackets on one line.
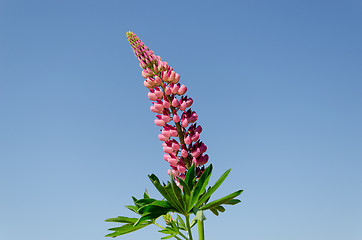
[(277, 86)]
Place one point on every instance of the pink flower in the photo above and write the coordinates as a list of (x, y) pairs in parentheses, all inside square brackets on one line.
[(147, 73), (151, 95), (202, 160), (187, 139), (167, 90), (182, 90), (176, 118), (163, 137), (175, 102), (181, 141), (184, 123), (172, 160), (177, 78), (157, 106), (181, 168), (158, 93), (159, 121), (158, 80), (149, 83), (174, 88), (184, 153), (166, 103)]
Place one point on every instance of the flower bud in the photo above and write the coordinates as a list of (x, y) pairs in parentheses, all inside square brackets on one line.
[(181, 168), (184, 123), (175, 102), (158, 92), (159, 122), (187, 140), (174, 88), (167, 90), (184, 153), (182, 90), (182, 106), (176, 118), (177, 78), (158, 80), (152, 96), (166, 103), (195, 137), (163, 137)]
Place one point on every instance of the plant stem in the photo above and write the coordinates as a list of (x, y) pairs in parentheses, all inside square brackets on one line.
[(159, 225), (188, 226), (200, 224), (183, 236)]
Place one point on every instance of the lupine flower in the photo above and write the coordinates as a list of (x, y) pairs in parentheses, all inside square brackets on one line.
[(181, 142)]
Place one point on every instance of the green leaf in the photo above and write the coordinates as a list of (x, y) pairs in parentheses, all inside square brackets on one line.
[(171, 194), (146, 195), (200, 185), (127, 228), (207, 195), (151, 216), (233, 202), (156, 206), (173, 226), (190, 177), (121, 219), (134, 200), (164, 192), (220, 201), (186, 194), (144, 201), (169, 236), (220, 208), (185, 188), (167, 230), (132, 208), (214, 211), (177, 192), (181, 223)]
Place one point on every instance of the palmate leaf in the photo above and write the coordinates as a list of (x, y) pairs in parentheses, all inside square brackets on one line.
[(127, 228)]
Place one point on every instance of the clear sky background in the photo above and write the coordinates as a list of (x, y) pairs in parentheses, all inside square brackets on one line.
[(277, 86)]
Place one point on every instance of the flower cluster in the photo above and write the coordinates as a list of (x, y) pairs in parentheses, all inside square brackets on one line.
[(180, 133)]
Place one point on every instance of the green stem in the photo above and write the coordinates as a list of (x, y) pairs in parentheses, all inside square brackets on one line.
[(183, 236), (177, 238), (188, 226), (159, 225), (200, 224)]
